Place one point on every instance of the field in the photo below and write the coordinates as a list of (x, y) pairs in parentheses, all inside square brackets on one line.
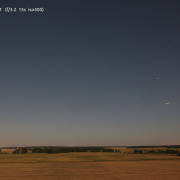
[(7, 151), (90, 166)]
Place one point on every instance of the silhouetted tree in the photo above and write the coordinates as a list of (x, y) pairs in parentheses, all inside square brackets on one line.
[(24, 150)]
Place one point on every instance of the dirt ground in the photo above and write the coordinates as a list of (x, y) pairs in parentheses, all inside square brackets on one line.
[(100, 170)]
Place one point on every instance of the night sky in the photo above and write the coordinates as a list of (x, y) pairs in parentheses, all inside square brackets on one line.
[(90, 73)]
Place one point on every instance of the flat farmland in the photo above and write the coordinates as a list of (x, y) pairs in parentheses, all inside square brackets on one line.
[(89, 166)]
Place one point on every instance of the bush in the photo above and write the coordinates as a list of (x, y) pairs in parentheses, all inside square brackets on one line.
[(24, 150)]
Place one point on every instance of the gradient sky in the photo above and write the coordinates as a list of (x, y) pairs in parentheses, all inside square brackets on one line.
[(90, 73)]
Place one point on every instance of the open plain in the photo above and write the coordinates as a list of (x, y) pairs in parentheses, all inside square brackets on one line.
[(89, 166)]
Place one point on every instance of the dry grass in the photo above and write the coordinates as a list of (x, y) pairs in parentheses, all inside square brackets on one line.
[(7, 151), (89, 166)]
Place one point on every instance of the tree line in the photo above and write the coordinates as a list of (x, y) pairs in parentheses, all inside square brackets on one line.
[(159, 151), (69, 149)]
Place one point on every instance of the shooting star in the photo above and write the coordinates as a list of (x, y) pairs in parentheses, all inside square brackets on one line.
[(168, 103)]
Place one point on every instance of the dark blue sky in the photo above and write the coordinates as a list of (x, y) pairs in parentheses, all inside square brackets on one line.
[(90, 72)]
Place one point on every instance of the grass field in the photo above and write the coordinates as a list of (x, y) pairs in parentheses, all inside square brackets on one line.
[(89, 166)]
